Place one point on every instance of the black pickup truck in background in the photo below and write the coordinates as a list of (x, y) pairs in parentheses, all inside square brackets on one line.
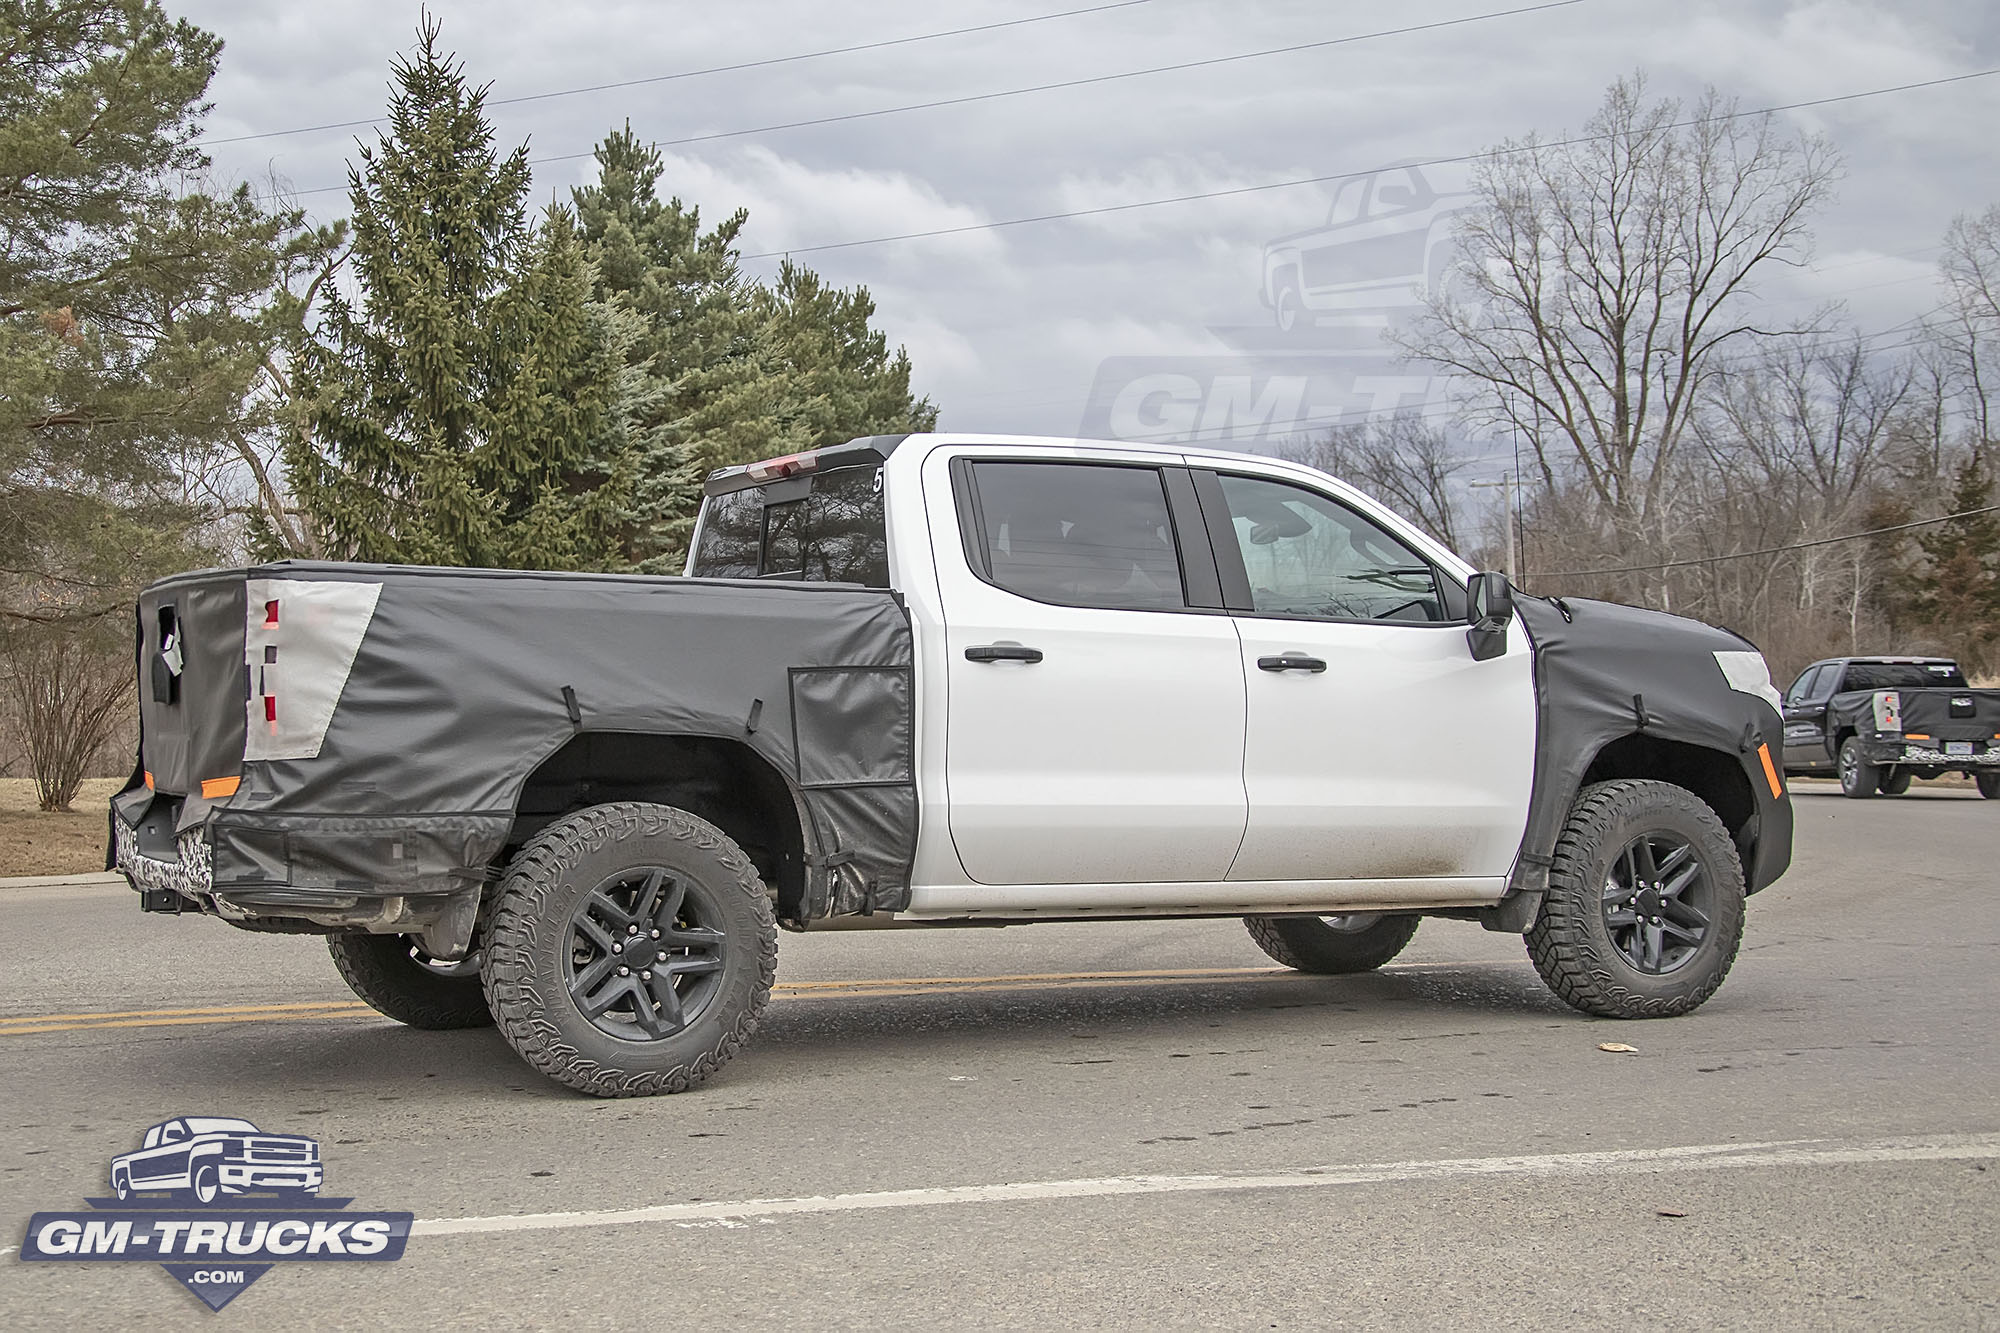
[(1877, 722)]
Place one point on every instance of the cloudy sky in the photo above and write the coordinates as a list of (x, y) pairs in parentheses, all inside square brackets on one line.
[(1010, 328)]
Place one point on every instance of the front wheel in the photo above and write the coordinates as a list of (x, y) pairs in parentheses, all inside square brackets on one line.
[(1859, 779), (1989, 785), (207, 1184), (632, 950), (1332, 945), (1644, 911)]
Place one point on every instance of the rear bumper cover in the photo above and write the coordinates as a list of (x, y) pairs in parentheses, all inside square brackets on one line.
[(1917, 755), (308, 866)]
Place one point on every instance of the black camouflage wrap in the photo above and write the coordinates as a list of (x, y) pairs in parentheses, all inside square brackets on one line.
[(457, 694), (1604, 672)]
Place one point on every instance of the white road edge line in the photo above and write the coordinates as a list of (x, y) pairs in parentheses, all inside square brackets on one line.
[(1694, 1157)]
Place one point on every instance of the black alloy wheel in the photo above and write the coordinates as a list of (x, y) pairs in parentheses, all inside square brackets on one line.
[(646, 953), (1656, 902), (1859, 779)]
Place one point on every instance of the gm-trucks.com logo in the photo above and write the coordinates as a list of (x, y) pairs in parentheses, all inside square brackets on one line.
[(216, 1202)]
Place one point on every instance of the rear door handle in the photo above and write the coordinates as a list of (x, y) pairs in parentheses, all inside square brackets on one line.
[(1291, 662), (1003, 652)]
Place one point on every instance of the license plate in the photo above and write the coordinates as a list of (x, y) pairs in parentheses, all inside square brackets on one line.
[(1958, 747)]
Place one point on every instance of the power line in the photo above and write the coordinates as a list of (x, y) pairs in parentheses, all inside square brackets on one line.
[(713, 69), (1769, 550), (1036, 88), (1343, 175)]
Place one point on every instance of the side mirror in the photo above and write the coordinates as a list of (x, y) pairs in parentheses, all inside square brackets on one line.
[(1489, 601)]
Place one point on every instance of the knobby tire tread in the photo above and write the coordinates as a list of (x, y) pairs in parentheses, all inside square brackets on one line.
[(520, 918)]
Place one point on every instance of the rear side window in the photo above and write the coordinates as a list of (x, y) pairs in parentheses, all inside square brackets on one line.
[(1078, 534), (822, 529)]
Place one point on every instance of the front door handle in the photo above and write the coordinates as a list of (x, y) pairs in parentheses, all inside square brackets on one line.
[(1003, 652), (1291, 662)]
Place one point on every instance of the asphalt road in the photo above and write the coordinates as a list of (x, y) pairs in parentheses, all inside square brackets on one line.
[(1136, 1125)]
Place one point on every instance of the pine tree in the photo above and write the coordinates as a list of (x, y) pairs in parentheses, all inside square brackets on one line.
[(139, 306), (736, 371), (692, 359), (1954, 592), (475, 409), (840, 380)]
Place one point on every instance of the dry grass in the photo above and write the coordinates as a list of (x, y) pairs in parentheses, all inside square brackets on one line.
[(35, 843)]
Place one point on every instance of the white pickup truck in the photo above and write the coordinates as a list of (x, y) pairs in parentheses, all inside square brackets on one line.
[(929, 680)]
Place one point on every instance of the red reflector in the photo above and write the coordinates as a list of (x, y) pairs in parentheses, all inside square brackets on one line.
[(271, 613), (270, 708)]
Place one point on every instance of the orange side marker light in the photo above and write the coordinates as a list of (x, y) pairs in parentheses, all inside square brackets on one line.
[(212, 788), (1770, 771)]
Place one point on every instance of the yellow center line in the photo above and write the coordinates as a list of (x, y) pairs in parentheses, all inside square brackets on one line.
[(34, 1024)]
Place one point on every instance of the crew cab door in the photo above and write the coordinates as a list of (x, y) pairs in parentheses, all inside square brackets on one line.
[(1805, 717), (1094, 725), (1375, 746)]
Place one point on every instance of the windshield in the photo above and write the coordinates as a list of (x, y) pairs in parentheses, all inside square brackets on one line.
[(1901, 676), (210, 1124)]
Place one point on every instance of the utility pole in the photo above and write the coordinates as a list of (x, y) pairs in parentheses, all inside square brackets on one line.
[(1506, 482)]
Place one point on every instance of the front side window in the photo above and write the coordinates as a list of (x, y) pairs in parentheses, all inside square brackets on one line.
[(1078, 534), (1311, 557)]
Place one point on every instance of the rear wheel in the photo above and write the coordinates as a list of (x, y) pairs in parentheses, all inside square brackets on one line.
[(1893, 782), (1989, 785), (394, 976), (1332, 945), (631, 952), (1858, 778), (1645, 904)]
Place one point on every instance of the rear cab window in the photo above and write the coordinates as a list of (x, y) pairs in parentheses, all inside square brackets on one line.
[(824, 527), (1902, 676)]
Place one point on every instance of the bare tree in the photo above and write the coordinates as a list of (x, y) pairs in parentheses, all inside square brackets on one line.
[(68, 697), (1968, 323), (1602, 278), (1403, 460)]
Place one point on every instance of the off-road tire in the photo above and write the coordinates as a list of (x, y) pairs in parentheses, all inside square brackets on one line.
[(380, 970), (529, 935), (1988, 784), (1570, 944), (1893, 781), (1310, 944), (1859, 779)]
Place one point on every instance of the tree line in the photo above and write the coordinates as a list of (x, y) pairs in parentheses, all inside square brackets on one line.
[(195, 373), (1684, 446)]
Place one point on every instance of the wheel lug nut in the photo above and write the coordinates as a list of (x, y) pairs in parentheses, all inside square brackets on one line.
[(656, 934), (645, 976), (618, 948), (624, 971), (631, 929)]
